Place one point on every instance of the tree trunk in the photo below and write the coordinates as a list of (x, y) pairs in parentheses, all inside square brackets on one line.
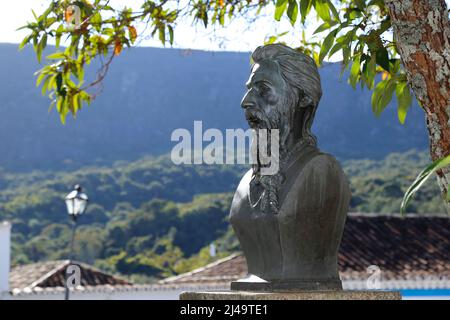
[(422, 32)]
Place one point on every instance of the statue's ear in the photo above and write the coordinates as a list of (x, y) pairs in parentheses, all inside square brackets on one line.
[(304, 100)]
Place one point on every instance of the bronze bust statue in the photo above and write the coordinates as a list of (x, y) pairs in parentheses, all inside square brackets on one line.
[(289, 224)]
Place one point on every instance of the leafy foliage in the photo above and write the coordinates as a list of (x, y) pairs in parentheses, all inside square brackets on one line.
[(360, 30), (422, 177)]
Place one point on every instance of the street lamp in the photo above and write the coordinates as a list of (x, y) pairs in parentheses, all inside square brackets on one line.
[(76, 202)]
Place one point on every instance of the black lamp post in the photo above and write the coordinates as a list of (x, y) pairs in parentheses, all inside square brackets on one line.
[(76, 202)]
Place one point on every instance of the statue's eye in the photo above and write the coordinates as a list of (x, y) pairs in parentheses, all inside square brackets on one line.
[(263, 88)]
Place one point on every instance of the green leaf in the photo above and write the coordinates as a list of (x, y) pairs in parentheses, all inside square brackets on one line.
[(61, 108), (56, 56), (382, 57), (170, 34), (322, 9), (305, 7), (361, 4), (58, 35), (394, 65), (62, 118), (376, 94), (47, 84), (85, 96), (354, 14), (76, 103), (27, 26), (34, 14), (80, 71), (354, 71), (292, 11), (385, 24), (96, 21), (326, 45), (59, 80), (336, 48), (404, 100), (222, 16), (280, 7), (214, 17), (345, 54), (43, 42), (346, 41), (40, 47), (162, 34), (271, 40), (421, 178), (231, 11), (370, 72), (382, 95), (24, 42), (204, 17), (324, 26), (333, 10), (51, 105), (386, 96), (40, 78)]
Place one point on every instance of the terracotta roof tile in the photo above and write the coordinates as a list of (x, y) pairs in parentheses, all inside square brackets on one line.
[(51, 274), (404, 248)]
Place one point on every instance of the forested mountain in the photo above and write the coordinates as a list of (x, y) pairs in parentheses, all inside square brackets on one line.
[(150, 218), (150, 92)]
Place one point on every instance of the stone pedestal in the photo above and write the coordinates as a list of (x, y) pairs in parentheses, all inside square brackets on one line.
[(286, 285), (300, 295)]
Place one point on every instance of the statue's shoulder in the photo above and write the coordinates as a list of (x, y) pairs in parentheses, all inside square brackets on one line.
[(242, 189), (318, 165), (324, 161), (321, 174)]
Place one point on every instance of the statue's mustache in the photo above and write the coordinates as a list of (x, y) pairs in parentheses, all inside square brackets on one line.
[(253, 114), (258, 118)]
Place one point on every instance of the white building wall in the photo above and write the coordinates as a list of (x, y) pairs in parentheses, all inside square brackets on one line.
[(5, 245), (113, 295)]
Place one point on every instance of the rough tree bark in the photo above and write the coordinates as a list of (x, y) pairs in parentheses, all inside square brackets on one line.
[(422, 32)]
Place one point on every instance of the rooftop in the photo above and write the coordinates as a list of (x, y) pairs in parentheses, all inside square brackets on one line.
[(45, 276), (412, 251)]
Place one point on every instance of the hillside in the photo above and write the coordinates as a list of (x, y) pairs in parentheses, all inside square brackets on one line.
[(149, 218), (150, 92)]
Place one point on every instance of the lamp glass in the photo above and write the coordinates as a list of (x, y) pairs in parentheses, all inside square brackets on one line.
[(70, 206), (76, 202), (80, 204)]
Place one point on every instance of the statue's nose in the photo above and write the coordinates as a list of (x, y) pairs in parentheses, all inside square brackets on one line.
[(247, 102)]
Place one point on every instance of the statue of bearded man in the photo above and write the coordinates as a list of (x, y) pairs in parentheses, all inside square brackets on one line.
[(289, 224)]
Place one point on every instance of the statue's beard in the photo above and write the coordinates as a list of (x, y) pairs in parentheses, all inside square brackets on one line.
[(278, 118)]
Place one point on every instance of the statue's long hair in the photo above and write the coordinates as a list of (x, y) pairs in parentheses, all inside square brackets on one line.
[(301, 73)]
